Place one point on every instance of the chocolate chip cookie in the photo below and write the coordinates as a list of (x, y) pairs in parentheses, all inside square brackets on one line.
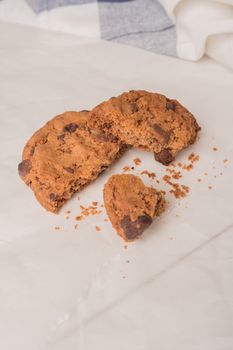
[(147, 120), (64, 156), (131, 206)]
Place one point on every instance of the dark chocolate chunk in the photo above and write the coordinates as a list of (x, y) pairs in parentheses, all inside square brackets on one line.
[(165, 157), (24, 167), (134, 107), (170, 105), (133, 229), (70, 127), (69, 170), (53, 197), (161, 135), (106, 137), (32, 151)]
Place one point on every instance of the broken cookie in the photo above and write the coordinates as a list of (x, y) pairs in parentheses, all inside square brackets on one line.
[(64, 156), (131, 206), (147, 120)]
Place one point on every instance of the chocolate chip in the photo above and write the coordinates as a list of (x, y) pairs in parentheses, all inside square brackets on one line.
[(32, 151), (106, 137), (69, 170), (170, 105), (107, 125), (133, 229), (24, 167), (53, 197), (84, 110), (165, 157), (134, 107), (70, 127), (161, 135), (61, 137)]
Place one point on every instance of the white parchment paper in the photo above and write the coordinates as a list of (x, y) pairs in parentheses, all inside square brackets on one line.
[(71, 288)]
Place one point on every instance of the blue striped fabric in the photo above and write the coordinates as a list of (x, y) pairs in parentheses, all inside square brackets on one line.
[(140, 23), (41, 5)]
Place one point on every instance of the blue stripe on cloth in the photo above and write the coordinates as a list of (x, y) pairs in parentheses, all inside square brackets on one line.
[(42, 5), (140, 23)]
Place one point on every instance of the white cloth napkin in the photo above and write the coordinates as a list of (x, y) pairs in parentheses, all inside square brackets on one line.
[(203, 27)]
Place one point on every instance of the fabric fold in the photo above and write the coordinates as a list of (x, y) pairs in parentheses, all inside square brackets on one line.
[(203, 27)]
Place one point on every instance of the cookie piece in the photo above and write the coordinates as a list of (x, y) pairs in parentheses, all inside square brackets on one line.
[(131, 206), (64, 156), (149, 121)]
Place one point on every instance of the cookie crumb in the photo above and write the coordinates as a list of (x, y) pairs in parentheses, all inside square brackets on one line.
[(67, 217), (125, 246), (206, 174), (175, 174), (57, 227), (193, 157), (78, 198), (215, 149), (137, 161), (210, 187), (185, 188), (98, 229), (166, 178), (126, 169), (199, 180), (150, 175), (127, 261), (177, 190), (190, 157), (123, 277), (102, 206), (76, 226), (68, 212), (106, 220), (189, 167), (220, 174), (87, 211), (225, 161)]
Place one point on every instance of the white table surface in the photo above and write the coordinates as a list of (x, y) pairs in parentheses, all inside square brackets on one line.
[(73, 289)]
